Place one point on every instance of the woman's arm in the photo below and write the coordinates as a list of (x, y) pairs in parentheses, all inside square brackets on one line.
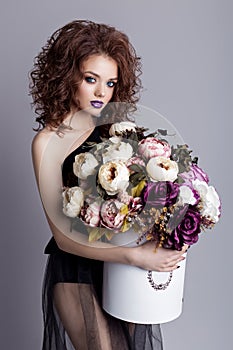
[(143, 256), (48, 152)]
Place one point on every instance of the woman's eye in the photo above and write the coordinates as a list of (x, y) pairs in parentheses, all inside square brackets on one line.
[(111, 83), (90, 80)]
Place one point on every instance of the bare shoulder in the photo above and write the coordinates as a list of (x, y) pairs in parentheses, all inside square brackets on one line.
[(40, 141), (38, 146)]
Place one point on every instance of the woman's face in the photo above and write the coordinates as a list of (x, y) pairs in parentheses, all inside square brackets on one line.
[(97, 86)]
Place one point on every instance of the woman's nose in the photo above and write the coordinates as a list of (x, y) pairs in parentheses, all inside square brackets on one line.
[(100, 91)]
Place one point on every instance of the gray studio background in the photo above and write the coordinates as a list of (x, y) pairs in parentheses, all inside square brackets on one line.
[(187, 54)]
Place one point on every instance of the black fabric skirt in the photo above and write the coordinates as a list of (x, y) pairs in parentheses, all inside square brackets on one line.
[(72, 312)]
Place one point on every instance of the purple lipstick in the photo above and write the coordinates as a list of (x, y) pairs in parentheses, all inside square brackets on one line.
[(97, 104)]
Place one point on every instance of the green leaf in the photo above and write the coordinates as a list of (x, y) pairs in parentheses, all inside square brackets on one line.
[(163, 132), (137, 190), (136, 168), (109, 234), (136, 178), (125, 227), (179, 180), (124, 209), (95, 234)]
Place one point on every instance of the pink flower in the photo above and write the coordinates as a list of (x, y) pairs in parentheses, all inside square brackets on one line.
[(90, 214), (195, 173), (110, 214), (135, 160), (124, 197), (152, 147), (134, 203)]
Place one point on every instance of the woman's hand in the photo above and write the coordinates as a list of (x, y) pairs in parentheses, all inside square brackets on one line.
[(161, 259)]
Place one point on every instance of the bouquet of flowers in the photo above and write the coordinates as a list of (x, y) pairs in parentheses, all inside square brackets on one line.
[(134, 180)]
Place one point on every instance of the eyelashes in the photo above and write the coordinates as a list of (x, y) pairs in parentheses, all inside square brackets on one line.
[(91, 80), (111, 83)]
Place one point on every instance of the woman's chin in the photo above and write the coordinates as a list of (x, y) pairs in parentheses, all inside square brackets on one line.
[(94, 112)]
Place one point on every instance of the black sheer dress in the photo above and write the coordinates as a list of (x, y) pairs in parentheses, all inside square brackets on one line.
[(72, 289)]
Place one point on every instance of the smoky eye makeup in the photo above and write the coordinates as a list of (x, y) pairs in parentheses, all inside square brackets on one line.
[(111, 83), (90, 79)]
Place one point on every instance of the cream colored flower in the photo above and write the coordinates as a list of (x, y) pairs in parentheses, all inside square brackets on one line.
[(209, 199), (84, 165), (187, 196), (73, 200), (117, 150), (121, 127), (162, 169), (114, 177)]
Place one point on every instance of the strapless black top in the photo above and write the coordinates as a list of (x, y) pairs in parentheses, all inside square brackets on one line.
[(69, 179)]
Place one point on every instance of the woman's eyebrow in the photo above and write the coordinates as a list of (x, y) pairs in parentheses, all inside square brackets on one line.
[(96, 75)]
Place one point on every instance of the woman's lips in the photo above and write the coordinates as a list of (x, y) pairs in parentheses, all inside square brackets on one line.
[(97, 104)]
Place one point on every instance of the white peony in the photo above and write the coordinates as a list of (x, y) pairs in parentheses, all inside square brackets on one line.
[(117, 150), (186, 196), (162, 169), (209, 200), (120, 127), (84, 165), (114, 177), (73, 200)]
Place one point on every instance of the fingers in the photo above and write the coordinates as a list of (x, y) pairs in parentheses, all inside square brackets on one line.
[(162, 260), (173, 264), (175, 259), (177, 253), (185, 248), (172, 261), (168, 269)]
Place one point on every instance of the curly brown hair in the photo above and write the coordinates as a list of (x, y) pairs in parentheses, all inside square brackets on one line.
[(57, 68)]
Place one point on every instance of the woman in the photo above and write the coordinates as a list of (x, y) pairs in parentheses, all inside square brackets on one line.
[(82, 68)]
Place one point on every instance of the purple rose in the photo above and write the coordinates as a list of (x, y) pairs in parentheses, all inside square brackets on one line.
[(110, 214), (194, 173), (160, 194), (184, 228)]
